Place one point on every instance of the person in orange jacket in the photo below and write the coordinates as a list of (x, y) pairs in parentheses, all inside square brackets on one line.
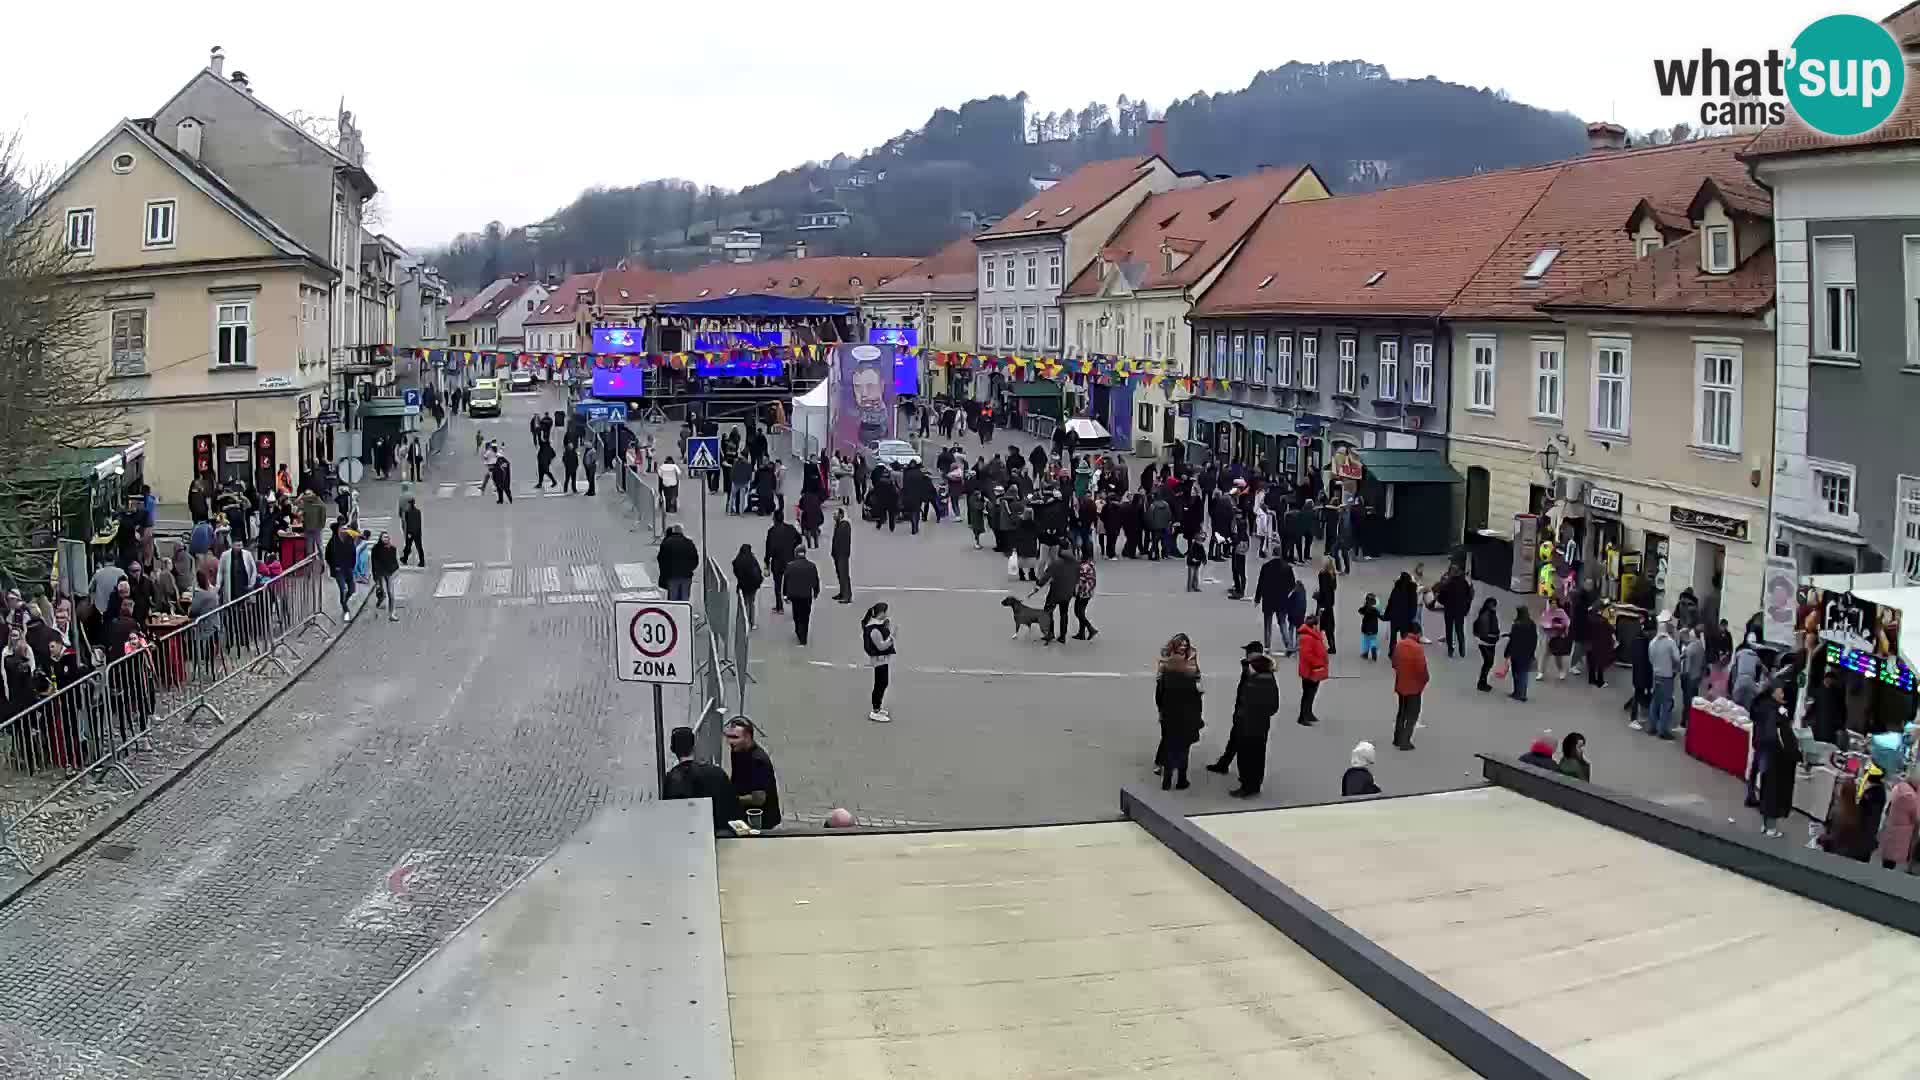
[(1313, 666), (1409, 682)]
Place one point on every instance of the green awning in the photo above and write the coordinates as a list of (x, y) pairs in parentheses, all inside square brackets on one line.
[(1038, 388), (1408, 467)]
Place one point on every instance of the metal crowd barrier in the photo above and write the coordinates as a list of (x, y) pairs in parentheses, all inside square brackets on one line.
[(90, 727), (437, 442), (716, 595), (642, 502)]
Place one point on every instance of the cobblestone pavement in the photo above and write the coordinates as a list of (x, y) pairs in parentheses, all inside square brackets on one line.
[(406, 780), (988, 730)]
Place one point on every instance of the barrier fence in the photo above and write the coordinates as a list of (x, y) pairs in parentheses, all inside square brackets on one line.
[(90, 725)]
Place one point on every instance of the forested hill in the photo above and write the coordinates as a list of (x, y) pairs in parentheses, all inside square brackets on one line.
[(1357, 125)]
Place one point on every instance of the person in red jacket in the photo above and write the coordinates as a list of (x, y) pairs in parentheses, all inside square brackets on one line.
[(1313, 666), (1409, 682)]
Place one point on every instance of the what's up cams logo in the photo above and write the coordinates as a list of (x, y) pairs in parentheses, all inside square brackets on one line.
[(1843, 76)]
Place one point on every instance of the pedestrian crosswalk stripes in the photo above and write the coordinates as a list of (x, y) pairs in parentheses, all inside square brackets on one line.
[(508, 584)]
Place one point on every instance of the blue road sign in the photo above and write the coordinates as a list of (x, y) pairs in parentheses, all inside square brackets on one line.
[(703, 453)]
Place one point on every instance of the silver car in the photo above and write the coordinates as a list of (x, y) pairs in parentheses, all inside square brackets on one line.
[(894, 453)]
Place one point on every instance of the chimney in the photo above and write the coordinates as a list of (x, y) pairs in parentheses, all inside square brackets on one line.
[(186, 138), (239, 79), (1603, 136), (1157, 138), (217, 63)]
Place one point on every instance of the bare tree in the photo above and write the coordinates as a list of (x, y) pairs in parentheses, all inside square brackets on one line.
[(56, 398)]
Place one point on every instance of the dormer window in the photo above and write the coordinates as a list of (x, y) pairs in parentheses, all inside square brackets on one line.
[(855, 282), (1719, 249), (1537, 269), (1646, 246)]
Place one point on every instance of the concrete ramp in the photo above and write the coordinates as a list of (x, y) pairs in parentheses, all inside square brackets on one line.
[(1623, 959), (1084, 951), (604, 961)]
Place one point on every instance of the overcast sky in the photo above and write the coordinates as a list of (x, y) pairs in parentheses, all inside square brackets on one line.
[(478, 112)]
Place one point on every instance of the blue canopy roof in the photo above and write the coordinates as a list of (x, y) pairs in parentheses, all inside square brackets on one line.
[(762, 304)]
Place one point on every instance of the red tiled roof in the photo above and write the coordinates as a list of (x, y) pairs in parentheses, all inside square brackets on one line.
[(1202, 222), (1904, 25), (1317, 256), (835, 277), (562, 300), (1795, 137), (1580, 214), (953, 269), (1670, 282), (1078, 194), (468, 308), (630, 286), (501, 300)]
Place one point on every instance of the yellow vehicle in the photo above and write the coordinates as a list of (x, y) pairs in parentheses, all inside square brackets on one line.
[(485, 400)]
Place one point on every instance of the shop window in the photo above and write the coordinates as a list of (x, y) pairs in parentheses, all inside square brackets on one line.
[(1145, 423)]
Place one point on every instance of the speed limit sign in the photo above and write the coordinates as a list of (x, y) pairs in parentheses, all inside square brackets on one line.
[(655, 641)]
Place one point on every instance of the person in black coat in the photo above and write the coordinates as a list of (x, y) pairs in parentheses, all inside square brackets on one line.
[(1640, 656), (1271, 592), (690, 779), (1329, 585), (1523, 644), (1782, 756), (543, 464), (747, 578), (679, 561), (1176, 697), (1486, 633), (800, 581), (570, 468), (842, 551), (782, 547), (812, 516), (883, 499), (1255, 701), (341, 554), (916, 493), (1403, 604)]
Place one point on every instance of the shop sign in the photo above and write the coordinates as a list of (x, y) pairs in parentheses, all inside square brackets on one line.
[(234, 454), (1606, 500), (1307, 425), (1731, 528), (327, 418), (276, 382), (1346, 464)]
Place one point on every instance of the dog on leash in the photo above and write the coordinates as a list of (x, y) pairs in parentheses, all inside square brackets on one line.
[(1023, 616)]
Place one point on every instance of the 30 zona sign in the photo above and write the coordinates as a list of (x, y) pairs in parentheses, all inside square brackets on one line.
[(655, 641)]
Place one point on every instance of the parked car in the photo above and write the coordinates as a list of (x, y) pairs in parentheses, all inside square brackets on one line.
[(520, 381), (893, 453)]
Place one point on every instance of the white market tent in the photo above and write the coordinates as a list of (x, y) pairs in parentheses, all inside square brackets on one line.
[(810, 421), (1090, 432)]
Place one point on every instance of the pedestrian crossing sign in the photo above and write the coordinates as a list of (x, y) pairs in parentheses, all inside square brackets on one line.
[(703, 453)]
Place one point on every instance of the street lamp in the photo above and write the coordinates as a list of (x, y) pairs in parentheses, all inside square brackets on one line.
[(1550, 457)]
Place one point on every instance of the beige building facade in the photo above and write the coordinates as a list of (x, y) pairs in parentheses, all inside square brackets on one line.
[(1654, 390), (213, 321)]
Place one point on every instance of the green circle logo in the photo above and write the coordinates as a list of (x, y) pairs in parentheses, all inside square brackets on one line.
[(1847, 75)]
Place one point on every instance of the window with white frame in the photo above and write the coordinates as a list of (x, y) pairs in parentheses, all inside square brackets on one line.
[(1310, 362), (1646, 246), (1283, 360), (1053, 269), (1716, 411), (1548, 366), (1481, 368), (1007, 337), (1913, 301), (1201, 351), (1423, 372), (1032, 337), (1348, 379), (80, 231), (1258, 372), (1033, 271), (1006, 268), (1146, 337), (1719, 249), (986, 275), (986, 329), (1173, 339), (1387, 386), (160, 213), (1120, 339), (954, 326), (1834, 296), (1833, 493), (1219, 356), (1080, 335), (1906, 530), (232, 334), (130, 341), (1612, 397), (1053, 329), (1239, 369)]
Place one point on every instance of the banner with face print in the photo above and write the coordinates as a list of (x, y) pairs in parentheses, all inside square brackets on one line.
[(863, 396)]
